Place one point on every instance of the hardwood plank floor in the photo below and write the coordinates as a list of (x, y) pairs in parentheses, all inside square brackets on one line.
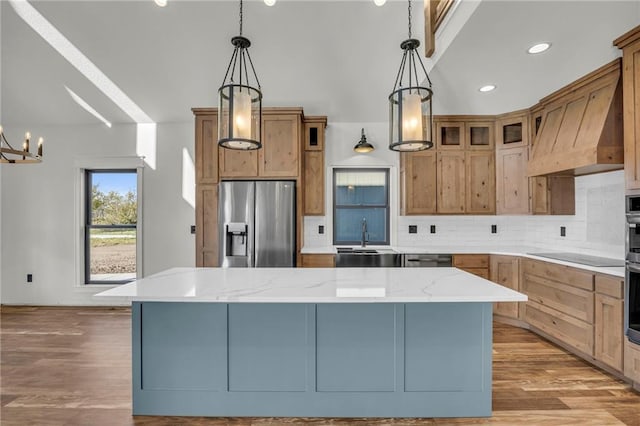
[(72, 366)]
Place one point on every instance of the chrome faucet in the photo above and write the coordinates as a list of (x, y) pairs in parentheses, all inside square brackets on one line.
[(364, 232)]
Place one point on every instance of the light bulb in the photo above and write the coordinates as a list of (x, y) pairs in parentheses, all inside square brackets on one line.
[(27, 135), (269, 2), (411, 117), (379, 2), (241, 114), (487, 88)]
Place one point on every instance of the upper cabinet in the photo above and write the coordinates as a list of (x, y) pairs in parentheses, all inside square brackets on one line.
[(630, 45), (457, 176), (512, 130), (280, 153), (512, 154), (314, 165)]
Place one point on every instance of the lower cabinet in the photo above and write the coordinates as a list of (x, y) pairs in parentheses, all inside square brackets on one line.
[(477, 264), (318, 261), (609, 321), (505, 270), (632, 361), (559, 306)]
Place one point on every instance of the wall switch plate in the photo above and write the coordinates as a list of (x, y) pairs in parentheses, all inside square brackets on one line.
[(432, 229), (320, 229), (413, 229), (193, 229), (29, 278), (563, 231), (494, 229)]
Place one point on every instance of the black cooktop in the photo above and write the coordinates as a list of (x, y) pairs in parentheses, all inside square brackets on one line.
[(582, 259)]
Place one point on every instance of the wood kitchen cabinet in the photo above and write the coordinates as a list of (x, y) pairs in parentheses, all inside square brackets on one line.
[(457, 176), (632, 362), (480, 178), (512, 183), (279, 156), (512, 129), (477, 264), (451, 182), (505, 270), (313, 166), (318, 261), (418, 174), (206, 152), (630, 45), (609, 321), (561, 303)]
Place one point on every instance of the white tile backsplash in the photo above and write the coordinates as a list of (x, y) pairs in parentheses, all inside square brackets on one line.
[(597, 228)]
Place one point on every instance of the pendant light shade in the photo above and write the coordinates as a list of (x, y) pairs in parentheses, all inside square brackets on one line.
[(410, 109), (363, 146), (240, 100)]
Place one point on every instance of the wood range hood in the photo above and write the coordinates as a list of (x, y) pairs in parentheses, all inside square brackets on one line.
[(581, 127)]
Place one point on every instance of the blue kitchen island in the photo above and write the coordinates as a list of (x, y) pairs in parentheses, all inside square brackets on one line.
[(298, 342)]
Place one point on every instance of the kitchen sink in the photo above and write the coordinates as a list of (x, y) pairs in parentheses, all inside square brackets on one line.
[(348, 257), (356, 250)]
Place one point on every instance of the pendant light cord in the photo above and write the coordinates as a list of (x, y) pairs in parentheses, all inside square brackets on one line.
[(240, 17), (409, 17)]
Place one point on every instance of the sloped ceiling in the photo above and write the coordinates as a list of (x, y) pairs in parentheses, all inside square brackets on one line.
[(333, 58)]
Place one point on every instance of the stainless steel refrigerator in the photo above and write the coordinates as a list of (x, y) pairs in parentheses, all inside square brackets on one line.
[(257, 224)]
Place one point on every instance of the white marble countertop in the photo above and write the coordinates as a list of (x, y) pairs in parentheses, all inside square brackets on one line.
[(521, 251), (314, 285)]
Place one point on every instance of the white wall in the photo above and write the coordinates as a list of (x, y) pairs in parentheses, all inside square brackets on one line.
[(40, 219)]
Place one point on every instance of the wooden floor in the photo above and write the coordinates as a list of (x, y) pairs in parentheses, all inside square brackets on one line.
[(72, 366)]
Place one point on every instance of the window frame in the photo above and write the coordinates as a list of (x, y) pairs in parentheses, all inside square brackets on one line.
[(386, 206), (88, 226)]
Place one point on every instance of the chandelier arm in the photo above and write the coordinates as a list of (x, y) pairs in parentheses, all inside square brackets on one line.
[(412, 65), (415, 69), (228, 68), (400, 71), (235, 59), (246, 70), (254, 70), (424, 69), (240, 60)]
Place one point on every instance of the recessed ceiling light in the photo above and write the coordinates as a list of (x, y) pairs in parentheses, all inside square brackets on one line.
[(161, 3), (379, 2), (487, 88), (539, 48), (269, 2)]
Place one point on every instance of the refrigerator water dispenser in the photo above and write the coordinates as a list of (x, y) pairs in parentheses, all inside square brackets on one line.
[(236, 239)]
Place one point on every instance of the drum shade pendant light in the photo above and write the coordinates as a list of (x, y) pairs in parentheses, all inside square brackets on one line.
[(363, 146), (410, 113), (239, 101)]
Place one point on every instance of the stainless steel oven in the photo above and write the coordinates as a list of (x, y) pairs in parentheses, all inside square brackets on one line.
[(632, 276)]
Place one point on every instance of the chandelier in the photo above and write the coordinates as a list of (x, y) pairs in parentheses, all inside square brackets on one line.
[(410, 113), (240, 102), (9, 154)]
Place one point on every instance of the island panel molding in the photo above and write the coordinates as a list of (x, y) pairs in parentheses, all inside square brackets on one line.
[(341, 360)]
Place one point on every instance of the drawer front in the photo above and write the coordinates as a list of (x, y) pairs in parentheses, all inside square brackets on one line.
[(565, 328), (565, 274), (611, 286), (568, 300), (471, 261), (481, 272), (318, 261)]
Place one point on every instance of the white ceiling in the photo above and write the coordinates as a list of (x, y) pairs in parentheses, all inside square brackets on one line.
[(332, 58)]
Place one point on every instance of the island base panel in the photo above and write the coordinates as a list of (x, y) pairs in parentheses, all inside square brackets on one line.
[(312, 360)]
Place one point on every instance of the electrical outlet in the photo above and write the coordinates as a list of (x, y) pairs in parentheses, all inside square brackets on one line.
[(563, 231), (29, 278), (193, 229), (320, 229), (413, 229), (494, 229), (432, 229)]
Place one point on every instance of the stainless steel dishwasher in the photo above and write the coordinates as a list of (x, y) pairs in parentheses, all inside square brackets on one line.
[(426, 260)]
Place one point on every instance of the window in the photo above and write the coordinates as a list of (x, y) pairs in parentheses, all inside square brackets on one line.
[(360, 195), (111, 225)]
